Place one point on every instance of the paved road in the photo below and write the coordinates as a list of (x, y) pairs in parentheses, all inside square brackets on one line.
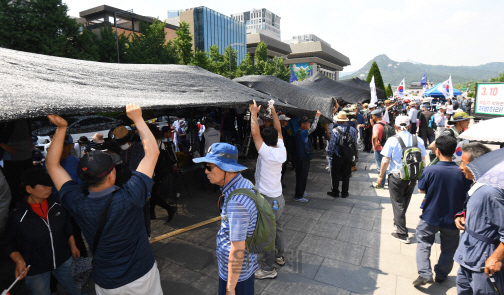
[(335, 246)]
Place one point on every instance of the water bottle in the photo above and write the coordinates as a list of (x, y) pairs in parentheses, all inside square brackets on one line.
[(275, 205)]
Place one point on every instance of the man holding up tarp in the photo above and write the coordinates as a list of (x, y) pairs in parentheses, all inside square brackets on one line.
[(123, 261)]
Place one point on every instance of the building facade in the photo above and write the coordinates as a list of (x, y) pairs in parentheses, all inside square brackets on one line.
[(209, 27), (127, 21), (310, 54), (260, 21)]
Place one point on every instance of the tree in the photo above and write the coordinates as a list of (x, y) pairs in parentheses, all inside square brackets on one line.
[(246, 67), (281, 71), (201, 59), (216, 60), (261, 59), (107, 46), (230, 56), (302, 74), (375, 71), (41, 26), (183, 42), (150, 47), (388, 91)]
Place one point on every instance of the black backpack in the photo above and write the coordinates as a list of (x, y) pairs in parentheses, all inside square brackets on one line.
[(347, 148), (388, 131)]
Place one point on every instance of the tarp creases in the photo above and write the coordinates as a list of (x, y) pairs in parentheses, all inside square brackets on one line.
[(303, 99), (33, 85), (320, 83), (358, 83)]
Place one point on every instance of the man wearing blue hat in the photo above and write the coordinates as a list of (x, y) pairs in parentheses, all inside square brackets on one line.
[(222, 169)]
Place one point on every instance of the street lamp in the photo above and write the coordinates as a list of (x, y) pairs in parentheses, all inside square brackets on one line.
[(115, 24), (282, 57), (234, 44)]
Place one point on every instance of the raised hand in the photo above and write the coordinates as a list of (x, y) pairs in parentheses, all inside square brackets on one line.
[(134, 112), (254, 109), (57, 120)]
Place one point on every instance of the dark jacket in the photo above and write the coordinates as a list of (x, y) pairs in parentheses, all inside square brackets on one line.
[(43, 245), (304, 146)]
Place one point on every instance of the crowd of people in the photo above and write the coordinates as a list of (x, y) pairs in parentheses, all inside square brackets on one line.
[(106, 189)]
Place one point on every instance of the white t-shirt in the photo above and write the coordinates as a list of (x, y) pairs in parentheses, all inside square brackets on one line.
[(212, 136), (449, 109), (268, 173)]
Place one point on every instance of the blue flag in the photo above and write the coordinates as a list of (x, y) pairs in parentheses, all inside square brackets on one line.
[(424, 79)]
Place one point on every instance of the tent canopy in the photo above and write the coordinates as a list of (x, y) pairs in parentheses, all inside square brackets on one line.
[(358, 83), (320, 83), (34, 85), (300, 97), (434, 92)]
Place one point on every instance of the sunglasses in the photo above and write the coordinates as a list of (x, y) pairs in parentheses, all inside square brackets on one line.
[(209, 168)]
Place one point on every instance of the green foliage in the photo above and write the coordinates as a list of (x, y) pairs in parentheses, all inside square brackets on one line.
[(230, 56), (183, 42), (216, 60), (375, 71), (201, 59), (41, 26), (471, 94), (302, 74), (388, 91), (149, 47), (107, 47), (87, 46), (246, 67), (498, 79), (281, 71)]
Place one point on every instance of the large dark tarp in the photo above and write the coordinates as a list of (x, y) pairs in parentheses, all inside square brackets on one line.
[(33, 85), (290, 94), (320, 83), (358, 83)]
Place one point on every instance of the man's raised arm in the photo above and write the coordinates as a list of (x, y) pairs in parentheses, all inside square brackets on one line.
[(254, 125), (58, 174), (149, 143), (276, 122)]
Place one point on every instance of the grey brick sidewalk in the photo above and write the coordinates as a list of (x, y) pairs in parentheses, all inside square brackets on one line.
[(334, 246)]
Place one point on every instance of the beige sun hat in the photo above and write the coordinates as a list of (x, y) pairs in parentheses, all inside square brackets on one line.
[(341, 117)]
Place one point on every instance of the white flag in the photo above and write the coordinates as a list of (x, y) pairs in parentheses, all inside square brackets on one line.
[(444, 88), (372, 86), (386, 116), (401, 89), (450, 87)]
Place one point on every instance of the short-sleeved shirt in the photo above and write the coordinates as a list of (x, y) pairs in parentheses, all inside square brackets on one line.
[(242, 218), (393, 149), (123, 254), (445, 189), (333, 145), (269, 169), (484, 216), (378, 128)]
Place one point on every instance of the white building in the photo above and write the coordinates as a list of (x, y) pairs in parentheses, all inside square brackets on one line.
[(260, 21), (305, 38)]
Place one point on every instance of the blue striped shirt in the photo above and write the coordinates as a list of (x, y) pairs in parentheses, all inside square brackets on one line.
[(333, 145), (242, 218)]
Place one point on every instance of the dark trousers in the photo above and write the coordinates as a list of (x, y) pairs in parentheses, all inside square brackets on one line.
[(12, 171), (314, 137), (427, 134), (400, 195), (160, 200), (368, 144), (341, 168), (302, 170), (79, 241), (242, 288), (413, 128)]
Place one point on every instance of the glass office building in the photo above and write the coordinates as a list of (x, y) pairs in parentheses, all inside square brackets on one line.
[(211, 27)]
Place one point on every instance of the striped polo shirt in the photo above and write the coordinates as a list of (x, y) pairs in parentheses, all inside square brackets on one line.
[(242, 218)]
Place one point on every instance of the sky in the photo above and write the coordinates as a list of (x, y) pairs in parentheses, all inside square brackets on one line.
[(438, 32)]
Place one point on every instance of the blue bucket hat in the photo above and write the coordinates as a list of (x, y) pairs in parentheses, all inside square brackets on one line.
[(224, 155)]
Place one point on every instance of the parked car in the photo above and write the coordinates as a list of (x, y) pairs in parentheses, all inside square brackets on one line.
[(81, 124)]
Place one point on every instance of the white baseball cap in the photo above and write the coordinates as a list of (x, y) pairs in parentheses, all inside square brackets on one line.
[(283, 118)]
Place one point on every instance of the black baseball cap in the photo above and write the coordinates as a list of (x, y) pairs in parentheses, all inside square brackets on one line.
[(95, 164), (34, 176), (304, 119)]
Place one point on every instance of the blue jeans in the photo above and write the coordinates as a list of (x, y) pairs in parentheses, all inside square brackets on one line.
[(242, 288), (39, 284), (378, 157)]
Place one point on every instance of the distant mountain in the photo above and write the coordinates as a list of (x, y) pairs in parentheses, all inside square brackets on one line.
[(413, 62), (393, 72), (344, 74)]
